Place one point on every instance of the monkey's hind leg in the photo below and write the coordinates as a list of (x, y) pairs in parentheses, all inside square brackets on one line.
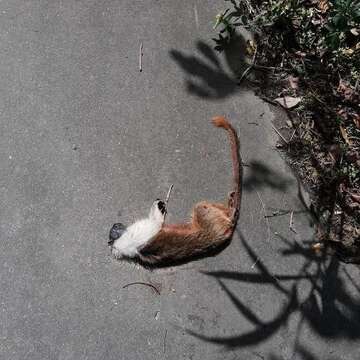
[(222, 208), (213, 218)]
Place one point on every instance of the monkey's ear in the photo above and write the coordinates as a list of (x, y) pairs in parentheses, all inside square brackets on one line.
[(115, 232)]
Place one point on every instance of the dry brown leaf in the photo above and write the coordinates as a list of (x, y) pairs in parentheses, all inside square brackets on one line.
[(317, 247), (288, 102), (355, 197), (293, 82), (348, 51), (250, 47), (345, 135), (356, 119), (323, 6), (345, 89)]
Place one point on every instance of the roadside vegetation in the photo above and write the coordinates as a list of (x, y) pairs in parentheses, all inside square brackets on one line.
[(306, 58)]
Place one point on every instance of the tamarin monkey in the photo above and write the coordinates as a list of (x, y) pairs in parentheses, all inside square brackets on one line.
[(211, 225)]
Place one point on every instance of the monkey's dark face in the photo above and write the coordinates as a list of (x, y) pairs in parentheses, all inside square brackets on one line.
[(115, 232)]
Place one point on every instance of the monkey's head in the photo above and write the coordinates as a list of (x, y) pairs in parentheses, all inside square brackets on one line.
[(158, 211), (115, 232)]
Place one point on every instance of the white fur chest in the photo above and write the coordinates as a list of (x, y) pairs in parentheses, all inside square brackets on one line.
[(135, 236)]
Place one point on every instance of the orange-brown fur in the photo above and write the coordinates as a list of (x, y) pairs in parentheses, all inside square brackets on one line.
[(211, 225)]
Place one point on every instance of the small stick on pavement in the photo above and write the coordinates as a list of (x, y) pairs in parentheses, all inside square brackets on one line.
[(168, 197), (143, 283), (253, 265), (264, 210), (279, 133), (164, 344), (140, 56), (168, 194), (291, 227), (277, 213), (197, 18), (292, 135)]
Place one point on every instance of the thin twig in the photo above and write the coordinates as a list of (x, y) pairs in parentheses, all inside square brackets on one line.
[(168, 194), (291, 224), (261, 67), (278, 132), (164, 342), (264, 210), (253, 265), (140, 56), (277, 214), (244, 74), (143, 283), (267, 222), (167, 199), (254, 57), (272, 102), (196, 16), (249, 6), (291, 137)]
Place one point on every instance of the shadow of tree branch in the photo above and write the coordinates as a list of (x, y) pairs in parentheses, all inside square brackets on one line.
[(329, 310), (263, 330), (261, 175)]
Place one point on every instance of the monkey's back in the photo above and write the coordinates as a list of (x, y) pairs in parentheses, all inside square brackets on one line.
[(179, 242)]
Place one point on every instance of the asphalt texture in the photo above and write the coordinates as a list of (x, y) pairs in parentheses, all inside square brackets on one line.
[(88, 140)]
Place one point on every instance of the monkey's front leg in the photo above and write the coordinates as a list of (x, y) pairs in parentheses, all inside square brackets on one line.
[(126, 242)]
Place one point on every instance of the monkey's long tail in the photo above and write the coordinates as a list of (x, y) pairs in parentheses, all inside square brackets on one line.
[(220, 121)]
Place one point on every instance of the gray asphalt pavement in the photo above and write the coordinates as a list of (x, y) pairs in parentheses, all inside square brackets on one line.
[(87, 140)]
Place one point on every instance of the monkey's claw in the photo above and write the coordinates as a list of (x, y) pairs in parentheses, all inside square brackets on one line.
[(231, 197)]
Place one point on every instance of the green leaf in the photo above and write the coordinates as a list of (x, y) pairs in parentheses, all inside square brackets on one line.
[(244, 19)]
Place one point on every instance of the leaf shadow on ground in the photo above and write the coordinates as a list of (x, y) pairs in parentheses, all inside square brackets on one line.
[(206, 76), (328, 307), (259, 175)]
